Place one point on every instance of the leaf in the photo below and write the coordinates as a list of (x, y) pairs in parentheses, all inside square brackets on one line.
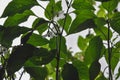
[(18, 6), (103, 0), (94, 50), (63, 44), (26, 37), (115, 22), (82, 4), (82, 70), (17, 18), (43, 57), (42, 28), (19, 55), (2, 73), (38, 73), (37, 40), (82, 21), (82, 43), (52, 9), (103, 32), (68, 71), (38, 22), (8, 34), (101, 77), (94, 70), (110, 5), (67, 24)]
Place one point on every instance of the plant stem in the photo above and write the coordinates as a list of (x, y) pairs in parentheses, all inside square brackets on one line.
[(109, 52), (21, 75)]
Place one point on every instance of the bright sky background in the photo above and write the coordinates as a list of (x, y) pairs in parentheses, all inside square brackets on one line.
[(71, 40)]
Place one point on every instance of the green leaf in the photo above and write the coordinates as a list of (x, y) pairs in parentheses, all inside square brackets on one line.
[(82, 21), (101, 77), (115, 22), (94, 50), (37, 40), (103, 32), (52, 9), (43, 57), (17, 18), (69, 72), (52, 44), (110, 5), (94, 70), (82, 43), (18, 6), (67, 24), (38, 73), (9, 34), (38, 22), (42, 28), (19, 55), (103, 0), (82, 70), (82, 4)]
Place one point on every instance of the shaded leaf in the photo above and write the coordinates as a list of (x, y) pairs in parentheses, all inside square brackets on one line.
[(18, 6), (94, 50), (9, 34), (19, 55), (115, 22), (2, 73), (94, 70), (43, 57), (17, 18), (37, 40), (38, 73), (68, 71), (103, 0)]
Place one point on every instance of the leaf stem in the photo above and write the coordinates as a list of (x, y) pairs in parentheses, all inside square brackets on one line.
[(109, 52)]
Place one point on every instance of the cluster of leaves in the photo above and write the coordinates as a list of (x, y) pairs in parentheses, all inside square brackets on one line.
[(39, 55)]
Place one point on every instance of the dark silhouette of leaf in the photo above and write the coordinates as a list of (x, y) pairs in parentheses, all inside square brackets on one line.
[(94, 70), (19, 55), (18, 6), (103, 0), (69, 72), (2, 73)]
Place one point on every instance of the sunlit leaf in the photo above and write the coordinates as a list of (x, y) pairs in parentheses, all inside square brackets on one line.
[(37, 40), (70, 72), (52, 9), (38, 22), (19, 55), (67, 24), (82, 4), (94, 70), (18, 6), (17, 18), (110, 5), (82, 21), (94, 50), (115, 22), (82, 43), (82, 70)]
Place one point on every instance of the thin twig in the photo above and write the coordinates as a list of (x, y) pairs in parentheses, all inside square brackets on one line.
[(21, 74)]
